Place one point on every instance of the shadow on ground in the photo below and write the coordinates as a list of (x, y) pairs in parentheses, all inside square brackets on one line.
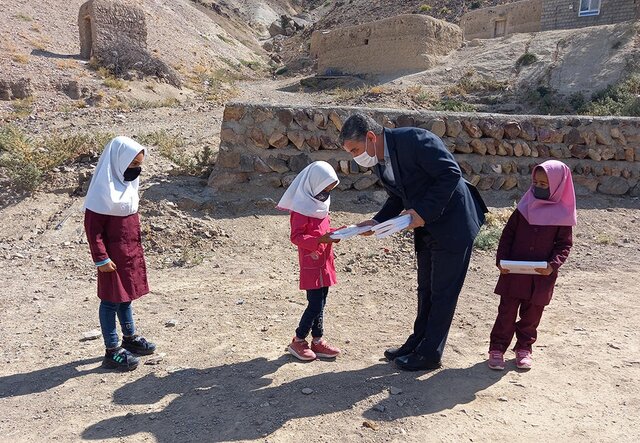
[(44, 379), (237, 401)]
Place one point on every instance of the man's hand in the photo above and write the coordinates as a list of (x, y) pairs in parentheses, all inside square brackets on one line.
[(544, 271), (367, 223), (109, 267), (416, 220), (503, 270)]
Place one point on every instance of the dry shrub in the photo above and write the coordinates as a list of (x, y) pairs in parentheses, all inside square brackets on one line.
[(27, 161), (124, 56), (489, 235)]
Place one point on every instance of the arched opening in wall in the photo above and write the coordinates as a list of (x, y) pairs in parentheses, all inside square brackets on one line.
[(499, 28), (86, 38)]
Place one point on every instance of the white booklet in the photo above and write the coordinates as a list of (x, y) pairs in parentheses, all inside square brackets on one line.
[(522, 267), (349, 231), (392, 226)]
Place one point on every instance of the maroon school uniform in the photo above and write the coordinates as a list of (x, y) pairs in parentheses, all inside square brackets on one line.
[(117, 238), (522, 241)]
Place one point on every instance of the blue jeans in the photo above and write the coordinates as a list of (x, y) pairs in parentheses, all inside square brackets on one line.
[(107, 313), (312, 318)]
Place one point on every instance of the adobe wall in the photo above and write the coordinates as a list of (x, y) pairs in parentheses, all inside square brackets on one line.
[(109, 22), (519, 17), (563, 14), (392, 46), (269, 145)]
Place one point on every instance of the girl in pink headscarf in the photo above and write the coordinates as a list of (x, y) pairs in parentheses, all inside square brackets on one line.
[(540, 229)]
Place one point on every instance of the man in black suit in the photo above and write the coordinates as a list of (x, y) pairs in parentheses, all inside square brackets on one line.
[(423, 179)]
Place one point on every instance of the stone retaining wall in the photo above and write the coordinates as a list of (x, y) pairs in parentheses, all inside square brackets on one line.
[(269, 145)]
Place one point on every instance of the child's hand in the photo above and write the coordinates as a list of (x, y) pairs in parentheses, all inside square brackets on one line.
[(367, 223), (327, 239), (544, 271), (109, 267), (503, 270)]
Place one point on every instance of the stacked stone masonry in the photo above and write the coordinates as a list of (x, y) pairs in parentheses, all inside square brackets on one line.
[(563, 14), (269, 145)]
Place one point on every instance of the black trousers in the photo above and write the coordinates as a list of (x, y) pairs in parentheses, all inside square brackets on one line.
[(312, 318), (441, 274)]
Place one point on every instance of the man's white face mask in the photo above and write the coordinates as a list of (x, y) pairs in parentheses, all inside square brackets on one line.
[(365, 160)]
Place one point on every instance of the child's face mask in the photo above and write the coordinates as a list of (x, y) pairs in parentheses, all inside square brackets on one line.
[(131, 174), (541, 193), (323, 196)]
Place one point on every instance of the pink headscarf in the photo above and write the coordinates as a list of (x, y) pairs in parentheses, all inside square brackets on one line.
[(560, 208)]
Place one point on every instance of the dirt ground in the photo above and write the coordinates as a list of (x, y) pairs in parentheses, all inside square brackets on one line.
[(222, 269), (226, 273)]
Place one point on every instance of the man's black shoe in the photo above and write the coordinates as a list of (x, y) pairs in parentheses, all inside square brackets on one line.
[(416, 362), (392, 353)]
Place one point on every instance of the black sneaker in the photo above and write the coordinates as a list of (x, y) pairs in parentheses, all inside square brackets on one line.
[(120, 359), (138, 345)]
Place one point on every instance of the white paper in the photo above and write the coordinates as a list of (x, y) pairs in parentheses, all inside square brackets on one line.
[(392, 226), (349, 231), (522, 267)]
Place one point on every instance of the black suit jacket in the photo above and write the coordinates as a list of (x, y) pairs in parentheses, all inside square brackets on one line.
[(429, 181)]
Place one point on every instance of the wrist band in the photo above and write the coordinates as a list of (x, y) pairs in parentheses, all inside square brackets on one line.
[(103, 262)]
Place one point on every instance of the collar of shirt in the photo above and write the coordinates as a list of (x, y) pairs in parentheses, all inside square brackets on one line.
[(387, 168), (387, 157)]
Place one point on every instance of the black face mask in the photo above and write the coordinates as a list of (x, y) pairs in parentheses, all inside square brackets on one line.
[(323, 196), (541, 193), (130, 174)]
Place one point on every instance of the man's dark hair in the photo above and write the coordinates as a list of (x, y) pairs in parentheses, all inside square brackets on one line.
[(357, 126)]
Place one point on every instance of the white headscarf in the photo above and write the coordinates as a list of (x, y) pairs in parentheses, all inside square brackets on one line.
[(109, 193), (311, 181)]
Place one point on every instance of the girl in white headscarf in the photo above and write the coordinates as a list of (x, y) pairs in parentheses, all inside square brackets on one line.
[(112, 226), (307, 200)]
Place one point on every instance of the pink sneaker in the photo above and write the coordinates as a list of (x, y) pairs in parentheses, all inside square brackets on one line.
[(300, 350), (324, 349), (524, 359), (496, 360)]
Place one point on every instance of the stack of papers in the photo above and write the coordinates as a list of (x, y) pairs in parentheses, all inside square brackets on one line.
[(349, 231), (522, 267), (392, 226)]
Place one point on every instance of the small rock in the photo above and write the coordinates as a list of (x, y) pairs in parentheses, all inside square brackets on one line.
[(370, 425), (156, 359), (395, 391), (611, 345), (91, 335), (240, 301), (502, 399), (307, 391), (171, 323), (379, 408)]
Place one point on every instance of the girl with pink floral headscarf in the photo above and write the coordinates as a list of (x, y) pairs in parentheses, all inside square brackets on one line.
[(540, 229)]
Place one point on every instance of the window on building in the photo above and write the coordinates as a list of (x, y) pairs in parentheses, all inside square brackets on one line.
[(589, 7)]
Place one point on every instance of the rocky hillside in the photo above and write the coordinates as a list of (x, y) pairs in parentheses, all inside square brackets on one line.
[(215, 44), (351, 12)]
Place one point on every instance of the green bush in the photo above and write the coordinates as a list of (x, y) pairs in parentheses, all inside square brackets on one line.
[(526, 59), (171, 147), (27, 161), (489, 235), (618, 99)]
